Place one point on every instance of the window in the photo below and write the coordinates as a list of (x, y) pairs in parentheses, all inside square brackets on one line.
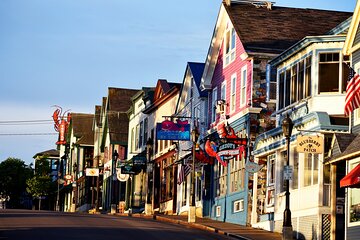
[(137, 137), (220, 180), (167, 182), (218, 211), (307, 77), (354, 200), (281, 90), (238, 205), (311, 169), (132, 148), (282, 163), (223, 91), (243, 86), (295, 164), (233, 93), (145, 131), (295, 83), (141, 134), (330, 65), (213, 105), (271, 169), (237, 173), (229, 46), (356, 112)]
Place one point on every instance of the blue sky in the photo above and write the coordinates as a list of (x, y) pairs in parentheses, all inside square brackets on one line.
[(69, 52)]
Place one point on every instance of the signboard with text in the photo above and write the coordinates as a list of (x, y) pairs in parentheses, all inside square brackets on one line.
[(169, 130), (310, 144)]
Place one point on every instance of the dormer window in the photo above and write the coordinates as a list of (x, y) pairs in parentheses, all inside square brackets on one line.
[(229, 46)]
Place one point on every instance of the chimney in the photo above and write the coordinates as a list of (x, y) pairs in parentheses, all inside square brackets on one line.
[(227, 2)]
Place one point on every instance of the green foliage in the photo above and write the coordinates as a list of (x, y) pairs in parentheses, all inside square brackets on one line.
[(13, 176), (40, 186), (42, 166)]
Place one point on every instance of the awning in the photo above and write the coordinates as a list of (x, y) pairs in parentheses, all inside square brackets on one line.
[(352, 179)]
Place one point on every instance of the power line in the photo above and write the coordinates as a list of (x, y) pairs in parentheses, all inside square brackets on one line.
[(27, 134)]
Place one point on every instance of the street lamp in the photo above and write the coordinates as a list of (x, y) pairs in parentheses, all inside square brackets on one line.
[(287, 126), (74, 185), (149, 169), (192, 207), (115, 157)]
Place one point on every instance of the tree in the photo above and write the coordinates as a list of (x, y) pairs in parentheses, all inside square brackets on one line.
[(39, 187), (41, 184), (13, 175)]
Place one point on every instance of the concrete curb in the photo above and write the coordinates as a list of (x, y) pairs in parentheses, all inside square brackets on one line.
[(181, 222)]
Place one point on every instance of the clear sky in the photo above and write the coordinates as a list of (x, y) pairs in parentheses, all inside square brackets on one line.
[(69, 52)]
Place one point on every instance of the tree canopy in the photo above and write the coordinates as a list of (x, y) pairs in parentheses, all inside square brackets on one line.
[(13, 175)]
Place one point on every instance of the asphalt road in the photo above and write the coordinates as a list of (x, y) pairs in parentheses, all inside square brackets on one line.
[(44, 225)]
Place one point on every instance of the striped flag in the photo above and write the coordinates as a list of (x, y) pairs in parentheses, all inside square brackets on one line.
[(184, 171), (352, 99)]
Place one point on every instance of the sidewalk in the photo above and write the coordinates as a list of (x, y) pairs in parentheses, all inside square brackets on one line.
[(229, 229)]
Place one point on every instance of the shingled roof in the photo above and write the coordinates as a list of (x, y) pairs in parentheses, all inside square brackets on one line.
[(345, 146), (82, 128), (118, 127), (119, 99), (273, 31)]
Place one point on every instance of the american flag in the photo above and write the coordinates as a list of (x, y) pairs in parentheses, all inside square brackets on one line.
[(352, 99), (184, 171)]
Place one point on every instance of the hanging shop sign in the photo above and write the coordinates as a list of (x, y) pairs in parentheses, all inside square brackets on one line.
[(121, 176), (253, 167), (310, 144), (92, 172), (169, 130), (228, 151)]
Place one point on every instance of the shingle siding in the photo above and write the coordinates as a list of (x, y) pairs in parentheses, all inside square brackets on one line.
[(357, 38), (353, 232), (356, 57)]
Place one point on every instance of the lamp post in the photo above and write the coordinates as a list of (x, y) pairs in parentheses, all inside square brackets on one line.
[(74, 185), (115, 157), (287, 126), (149, 169), (192, 207)]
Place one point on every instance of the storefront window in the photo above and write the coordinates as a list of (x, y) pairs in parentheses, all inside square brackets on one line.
[(220, 180), (237, 174), (354, 200)]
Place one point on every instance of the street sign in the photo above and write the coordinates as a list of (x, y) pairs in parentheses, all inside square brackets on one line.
[(288, 172)]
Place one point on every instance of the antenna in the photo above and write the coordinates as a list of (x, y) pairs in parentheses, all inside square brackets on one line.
[(256, 3)]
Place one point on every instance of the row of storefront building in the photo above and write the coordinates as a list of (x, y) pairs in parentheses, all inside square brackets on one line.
[(264, 64)]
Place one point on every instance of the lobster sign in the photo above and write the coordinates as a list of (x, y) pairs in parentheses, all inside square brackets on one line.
[(61, 124)]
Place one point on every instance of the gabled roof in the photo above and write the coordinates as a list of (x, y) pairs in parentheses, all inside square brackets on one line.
[(119, 99), (52, 153), (163, 91), (263, 30), (354, 28), (197, 70), (344, 146), (81, 124), (267, 32)]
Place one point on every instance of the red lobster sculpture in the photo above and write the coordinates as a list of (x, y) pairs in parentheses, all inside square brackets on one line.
[(228, 133), (60, 124)]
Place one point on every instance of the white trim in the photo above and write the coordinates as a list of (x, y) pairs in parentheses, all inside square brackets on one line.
[(214, 98), (243, 85), (218, 211), (238, 206), (232, 101), (230, 56)]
